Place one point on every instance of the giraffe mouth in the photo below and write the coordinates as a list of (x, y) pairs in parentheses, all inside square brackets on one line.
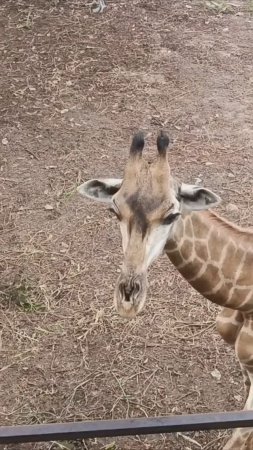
[(130, 295)]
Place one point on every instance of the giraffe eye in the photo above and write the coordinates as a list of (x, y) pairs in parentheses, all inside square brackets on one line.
[(112, 210), (170, 218)]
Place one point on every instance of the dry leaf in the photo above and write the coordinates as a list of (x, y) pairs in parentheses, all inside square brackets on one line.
[(48, 207), (216, 374)]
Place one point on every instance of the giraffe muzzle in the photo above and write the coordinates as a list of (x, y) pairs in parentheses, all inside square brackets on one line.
[(130, 295), (129, 290)]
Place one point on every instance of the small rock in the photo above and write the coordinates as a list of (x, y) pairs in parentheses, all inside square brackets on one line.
[(231, 207), (5, 141), (48, 207), (209, 163), (238, 398), (216, 374), (100, 314)]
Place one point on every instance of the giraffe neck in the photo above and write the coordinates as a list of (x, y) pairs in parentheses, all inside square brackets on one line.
[(215, 257)]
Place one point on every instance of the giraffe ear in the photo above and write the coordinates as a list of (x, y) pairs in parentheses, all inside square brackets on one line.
[(101, 190), (197, 198)]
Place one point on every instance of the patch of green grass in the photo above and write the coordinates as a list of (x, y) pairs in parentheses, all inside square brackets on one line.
[(219, 6), (24, 296), (63, 446), (28, 22), (250, 6), (69, 194), (111, 446), (72, 445)]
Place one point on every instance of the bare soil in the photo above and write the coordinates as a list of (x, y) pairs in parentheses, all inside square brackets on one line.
[(75, 85)]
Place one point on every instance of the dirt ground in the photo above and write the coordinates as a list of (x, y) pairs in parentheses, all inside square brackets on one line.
[(75, 85)]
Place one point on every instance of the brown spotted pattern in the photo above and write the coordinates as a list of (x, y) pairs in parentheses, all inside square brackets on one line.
[(216, 258), (218, 264)]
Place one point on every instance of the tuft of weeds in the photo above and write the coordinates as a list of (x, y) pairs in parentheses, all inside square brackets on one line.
[(111, 446), (63, 446), (219, 6), (24, 296), (69, 194), (250, 6)]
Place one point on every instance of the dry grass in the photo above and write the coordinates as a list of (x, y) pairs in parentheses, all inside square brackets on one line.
[(74, 86)]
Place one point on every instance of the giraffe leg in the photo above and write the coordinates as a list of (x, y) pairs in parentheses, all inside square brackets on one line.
[(229, 323), (242, 438), (246, 379)]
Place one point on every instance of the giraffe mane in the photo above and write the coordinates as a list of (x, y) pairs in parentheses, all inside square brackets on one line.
[(236, 230)]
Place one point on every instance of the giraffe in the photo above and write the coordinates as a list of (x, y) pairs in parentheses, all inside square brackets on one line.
[(158, 214)]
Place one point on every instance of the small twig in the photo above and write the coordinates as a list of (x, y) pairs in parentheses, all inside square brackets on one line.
[(14, 363), (187, 394), (125, 397), (209, 446), (233, 190), (195, 324), (60, 446), (31, 153), (80, 385), (151, 377), (9, 180), (187, 438), (12, 412), (186, 338)]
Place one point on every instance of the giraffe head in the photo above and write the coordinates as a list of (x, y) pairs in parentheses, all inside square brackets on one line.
[(148, 204)]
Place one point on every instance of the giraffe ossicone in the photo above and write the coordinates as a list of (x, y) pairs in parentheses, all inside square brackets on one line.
[(156, 213)]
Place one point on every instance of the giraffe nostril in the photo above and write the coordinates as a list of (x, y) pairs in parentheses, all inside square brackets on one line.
[(122, 289), (125, 291), (129, 290), (137, 288)]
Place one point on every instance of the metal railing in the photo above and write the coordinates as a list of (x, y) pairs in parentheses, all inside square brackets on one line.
[(127, 427)]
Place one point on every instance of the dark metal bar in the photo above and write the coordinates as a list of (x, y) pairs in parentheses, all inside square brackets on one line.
[(109, 428)]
